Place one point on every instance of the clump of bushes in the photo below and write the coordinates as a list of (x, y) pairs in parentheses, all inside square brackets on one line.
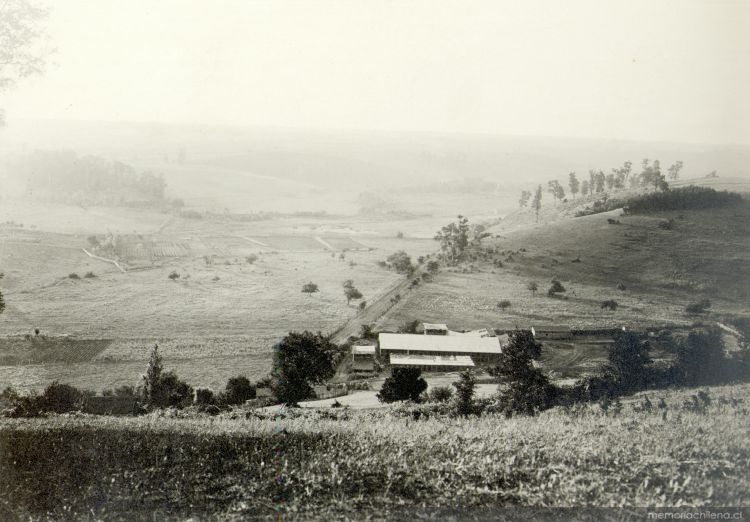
[(610, 304), (503, 304), (440, 394)]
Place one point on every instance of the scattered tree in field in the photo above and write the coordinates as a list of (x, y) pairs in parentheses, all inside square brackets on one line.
[(556, 288), (440, 394), (628, 361), (536, 204), (301, 360), (454, 238), (362, 306), (584, 187), (310, 288), (403, 384), (526, 389), (433, 267), (532, 287), (610, 304), (674, 170), (252, 258), (574, 184), (238, 390), (350, 292), (465, 392), (174, 275), (503, 304), (698, 307), (557, 190), (401, 262), (525, 197)]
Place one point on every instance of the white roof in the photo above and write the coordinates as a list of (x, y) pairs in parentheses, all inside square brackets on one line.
[(364, 350), (431, 360), (439, 343), (434, 326)]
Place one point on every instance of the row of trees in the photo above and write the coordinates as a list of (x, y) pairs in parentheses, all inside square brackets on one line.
[(597, 182)]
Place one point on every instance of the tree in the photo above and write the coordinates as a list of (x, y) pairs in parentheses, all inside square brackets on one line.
[(310, 288), (536, 204), (23, 50), (628, 360), (525, 196), (557, 191), (674, 170), (362, 305), (700, 357), (174, 275), (433, 267), (299, 361), (401, 262), (532, 287), (403, 384), (2, 303), (152, 378), (350, 291), (526, 389), (503, 304), (238, 390), (599, 181), (584, 187), (454, 238), (573, 184), (465, 392)]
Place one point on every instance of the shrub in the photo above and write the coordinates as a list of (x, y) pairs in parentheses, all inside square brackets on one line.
[(90, 275), (173, 275), (610, 304), (204, 397), (409, 327), (698, 307), (667, 224), (252, 258), (401, 262), (403, 384), (362, 305), (310, 288), (504, 304), (73, 275), (61, 398), (238, 390), (440, 394), (621, 287), (556, 288), (433, 266)]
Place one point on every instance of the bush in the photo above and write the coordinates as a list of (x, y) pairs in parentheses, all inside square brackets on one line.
[(252, 258), (621, 287), (465, 393), (61, 398), (504, 304), (238, 390), (73, 275), (698, 307), (204, 397), (403, 384), (610, 304), (440, 394), (90, 275), (173, 275), (556, 288)]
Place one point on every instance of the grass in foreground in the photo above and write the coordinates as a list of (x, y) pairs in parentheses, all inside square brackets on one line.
[(333, 463)]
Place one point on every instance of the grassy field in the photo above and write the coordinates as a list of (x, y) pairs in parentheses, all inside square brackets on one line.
[(705, 254), (337, 464)]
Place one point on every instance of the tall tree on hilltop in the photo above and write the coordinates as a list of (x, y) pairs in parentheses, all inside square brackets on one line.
[(573, 184), (536, 204)]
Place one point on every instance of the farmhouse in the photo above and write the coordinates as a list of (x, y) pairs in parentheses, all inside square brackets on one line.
[(445, 351)]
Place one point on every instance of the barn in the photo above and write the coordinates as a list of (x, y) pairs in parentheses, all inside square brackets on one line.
[(448, 351)]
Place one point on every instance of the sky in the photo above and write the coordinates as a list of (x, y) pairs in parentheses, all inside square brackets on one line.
[(660, 70)]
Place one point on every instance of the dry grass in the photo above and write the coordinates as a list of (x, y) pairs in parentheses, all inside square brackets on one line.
[(340, 463)]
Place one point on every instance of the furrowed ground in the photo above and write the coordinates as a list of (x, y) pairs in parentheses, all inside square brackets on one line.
[(337, 463)]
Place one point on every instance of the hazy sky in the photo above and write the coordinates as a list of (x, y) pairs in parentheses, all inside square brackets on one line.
[(655, 69)]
